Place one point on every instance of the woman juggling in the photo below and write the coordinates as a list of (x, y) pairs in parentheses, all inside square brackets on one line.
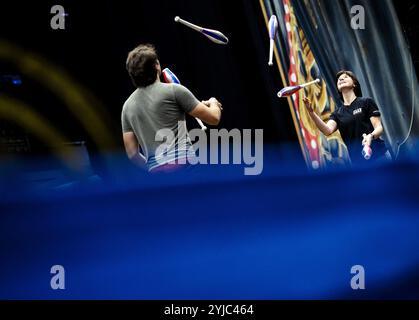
[(358, 120)]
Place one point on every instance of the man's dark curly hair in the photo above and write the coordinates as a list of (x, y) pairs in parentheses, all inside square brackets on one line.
[(141, 65)]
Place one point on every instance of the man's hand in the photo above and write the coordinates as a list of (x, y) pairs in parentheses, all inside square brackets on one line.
[(209, 111), (212, 101)]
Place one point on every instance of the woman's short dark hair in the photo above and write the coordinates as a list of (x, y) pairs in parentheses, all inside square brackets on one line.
[(357, 89), (141, 65)]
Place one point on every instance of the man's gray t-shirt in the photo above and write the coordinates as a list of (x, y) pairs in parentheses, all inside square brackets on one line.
[(153, 108)]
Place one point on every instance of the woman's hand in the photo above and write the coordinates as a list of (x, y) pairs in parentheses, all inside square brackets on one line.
[(367, 138), (308, 105)]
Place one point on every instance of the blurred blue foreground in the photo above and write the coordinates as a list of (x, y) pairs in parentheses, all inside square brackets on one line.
[(212, 233)]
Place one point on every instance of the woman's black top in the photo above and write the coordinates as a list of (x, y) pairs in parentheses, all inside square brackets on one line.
[(353, 121)]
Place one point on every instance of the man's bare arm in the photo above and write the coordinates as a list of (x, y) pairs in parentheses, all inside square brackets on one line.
[(131, 148), (208, 111)]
